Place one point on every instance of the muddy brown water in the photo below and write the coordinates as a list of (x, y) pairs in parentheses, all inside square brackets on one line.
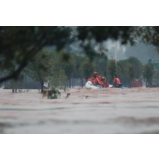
[(108, 110)]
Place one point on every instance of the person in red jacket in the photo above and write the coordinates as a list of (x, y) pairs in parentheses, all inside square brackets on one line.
[(91, 82), (95, 81), (96, 78), (92, 79), (99, 80), (117, 82)]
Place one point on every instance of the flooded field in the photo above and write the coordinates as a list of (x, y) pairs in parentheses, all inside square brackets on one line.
[(108, 110)]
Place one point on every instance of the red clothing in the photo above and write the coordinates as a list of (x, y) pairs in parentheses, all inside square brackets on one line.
[(99, 77), (105, 84), (117, 81), (99, 82), (92, 79)]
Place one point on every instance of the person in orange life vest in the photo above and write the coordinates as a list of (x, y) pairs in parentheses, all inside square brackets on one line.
[(117, 82), (99, 81), (92, 79), (91, 82), (95, 75)]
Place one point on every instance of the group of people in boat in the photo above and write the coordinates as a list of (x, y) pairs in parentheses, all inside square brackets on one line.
[(97, 81)]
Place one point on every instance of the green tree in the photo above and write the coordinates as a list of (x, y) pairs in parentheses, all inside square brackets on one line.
[(122, 69), (64, 65), (77, 70), (148, 73), (129, 69), (112, 69), (101, 34), (149, 34), (58, 80), (132, 73), (69, 68), (87, 68), (101, 62), (138, 67), (19, 45), (41, 67)]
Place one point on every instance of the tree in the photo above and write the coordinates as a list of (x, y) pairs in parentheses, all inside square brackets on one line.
[(112, 68), (41, 67), (69, 67), (122, 69), (149, 34), (77, 72), (101, 34), (148, 72), (132, 73), (138, 67), (59, 79), (129, 69), (19, 45), (101, 62), (87, 67)]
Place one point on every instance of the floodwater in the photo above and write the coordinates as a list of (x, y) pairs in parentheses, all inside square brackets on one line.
[(84, 111)]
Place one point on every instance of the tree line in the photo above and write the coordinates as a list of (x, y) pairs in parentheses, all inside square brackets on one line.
[(52, 67)]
